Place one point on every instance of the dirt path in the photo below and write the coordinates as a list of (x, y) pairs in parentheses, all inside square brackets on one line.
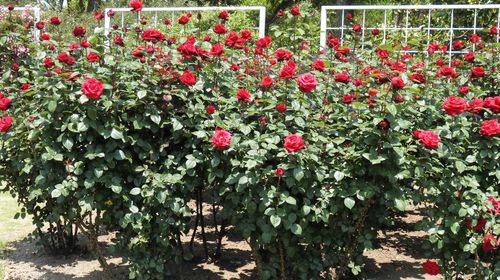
[(398, 255)]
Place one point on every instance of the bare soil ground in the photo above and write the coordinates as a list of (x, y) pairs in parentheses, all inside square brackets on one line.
[(398, 255)]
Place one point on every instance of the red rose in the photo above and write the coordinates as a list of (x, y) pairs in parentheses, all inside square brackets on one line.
[(293, 143), (475, 38), (40, 25), (318, 64), (295, 11), (447, 71), (349, 17), (188, 78), (118, 40), (219, 28), (399, 98), (481, 222), (493, 30), (428, 139), (45, 37), (457, 45), (463, 90), (347, 99), (281, 107), (490, 128), (357, 28), (417, 78), (4, 103), (431, 267), (5, 123), (342, 78), (372, 92), (280, 13), (210, 109), (477, 72), (384, 124), (496, 205), (266, 82), (279, 172), (282, 54), (264, 42), (223, 15), (136, 5), (98, 16), (469, 56), (475, 106), (490, 242), (111, 13), (454, 105), (246, 34), (221, 139), (25, 87), (492, 103), (217, 49), (93, 57), (307, 82), (79, 31), (153, 35), (243, 95), (288, 70), (397, 83), (183, 19), (375, 32), (92, 88), (55, 21)]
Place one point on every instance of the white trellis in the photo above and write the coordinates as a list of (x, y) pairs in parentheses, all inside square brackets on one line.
[(36, 18), (261, 9), (473, 9)]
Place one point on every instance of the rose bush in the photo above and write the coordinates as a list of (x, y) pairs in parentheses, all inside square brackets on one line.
[(308, 154)]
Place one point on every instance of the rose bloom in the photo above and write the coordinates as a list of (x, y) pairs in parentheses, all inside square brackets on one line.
[(347, 99), (493, 30), (25, 87), (221, 139), (477, 72), (98, 16), (490, 242), (93, 57), (481, 222), (136, 5), (45, 37), (431, 267), (5, 123), (118, 40), (55, 21), (295, 11), (463, 90), (48, 62), (263, 120), (111, 13), (219, 28), (490, 128), (342, 78), (243, 95), (384, 124), (223, 15), (79, 31), (4, 103), (282, 54), (357, 82), (492, 103), (397, 83), (217, 49), (454, 105), (183, 20), (417, 78), (469, 56), (281, 107), (279, 172), (246, 34), (293, 143), (307, 82), (318, 64), (375, 32), (210, 109), (40, 25), (264, 42), (496, 205), (475, 38), (399, 98), (266, 82), (92, 88), (153, 35), (357, 28), (288, 70), (188, 78), (428, 139), (475, 106)]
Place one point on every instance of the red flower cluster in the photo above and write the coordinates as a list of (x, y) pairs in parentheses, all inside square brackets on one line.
[(428, 139)]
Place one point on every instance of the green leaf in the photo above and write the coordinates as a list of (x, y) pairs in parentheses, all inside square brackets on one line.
[(275, 220), (176, 125), (141, 94), (156, 119), (52, 106), (460, 166), (296, 229), (400, 204), (338, 175), (116, 134), (135, 191), (290, 200), (191, 163), (55, 193), (116, 188), (349, 202), (68, 143), (134, 209), (298, 173), (243, 180)]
